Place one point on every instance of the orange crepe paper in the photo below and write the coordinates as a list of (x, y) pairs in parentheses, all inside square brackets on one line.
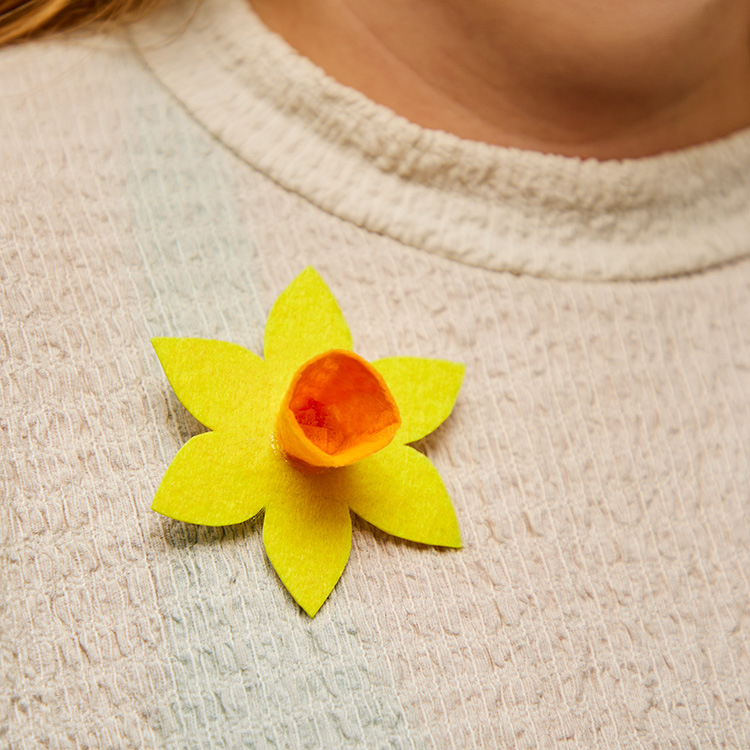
[(338, 410)]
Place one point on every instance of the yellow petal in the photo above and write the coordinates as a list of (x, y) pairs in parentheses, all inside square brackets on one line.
[(216, 479), (400, 491), (425, 391), (304, 321), (308, 536), (222, 385)]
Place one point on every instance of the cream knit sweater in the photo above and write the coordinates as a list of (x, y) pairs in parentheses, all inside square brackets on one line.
[(173, 184)]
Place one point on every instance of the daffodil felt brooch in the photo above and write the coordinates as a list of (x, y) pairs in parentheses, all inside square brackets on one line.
[(308, 434)]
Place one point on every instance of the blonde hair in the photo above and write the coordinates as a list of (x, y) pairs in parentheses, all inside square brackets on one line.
[(25, 19)]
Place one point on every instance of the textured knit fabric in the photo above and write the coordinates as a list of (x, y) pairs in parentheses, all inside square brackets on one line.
[(597, 455)]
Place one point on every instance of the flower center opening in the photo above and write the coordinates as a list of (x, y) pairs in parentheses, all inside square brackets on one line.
[(336, 411)]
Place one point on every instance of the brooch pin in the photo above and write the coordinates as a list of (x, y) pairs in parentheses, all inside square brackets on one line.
[(307, 434)]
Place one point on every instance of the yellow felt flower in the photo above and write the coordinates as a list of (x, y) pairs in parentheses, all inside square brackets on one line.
[(301, 435)]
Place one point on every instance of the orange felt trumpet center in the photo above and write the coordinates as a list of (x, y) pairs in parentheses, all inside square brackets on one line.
[(336, 411)]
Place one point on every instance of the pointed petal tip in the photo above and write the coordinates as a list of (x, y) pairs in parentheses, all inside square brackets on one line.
[(309, 270), (311, 609), (453, 543), (163, 510), (450, 539), (310, 277), (310, 603), (307, 275), (161, 344)]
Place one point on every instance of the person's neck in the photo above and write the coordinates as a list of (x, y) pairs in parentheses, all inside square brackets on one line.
[(574, 78)]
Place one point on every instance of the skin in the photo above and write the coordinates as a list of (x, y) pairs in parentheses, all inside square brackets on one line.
[(593, 78)]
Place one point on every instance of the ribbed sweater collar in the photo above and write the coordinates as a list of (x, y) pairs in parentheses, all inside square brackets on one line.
[(499, 208)]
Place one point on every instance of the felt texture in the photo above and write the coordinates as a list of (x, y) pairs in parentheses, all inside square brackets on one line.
[(308, 537), (305, 321), (424, 389), (216, 381), (231, 474), (400, 491), (216, 479), (337, 410)]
